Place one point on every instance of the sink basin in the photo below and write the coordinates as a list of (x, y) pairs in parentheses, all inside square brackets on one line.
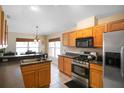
[(30, 60)]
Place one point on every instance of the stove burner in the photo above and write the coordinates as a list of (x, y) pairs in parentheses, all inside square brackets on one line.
[(83, 59)]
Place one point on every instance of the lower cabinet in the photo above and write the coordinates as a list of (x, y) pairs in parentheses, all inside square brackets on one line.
[(65, 65), (30, 79), (96, 80), (44, 77), (36, 75), (61, 63)]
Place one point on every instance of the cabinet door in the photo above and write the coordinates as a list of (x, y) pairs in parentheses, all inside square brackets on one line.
[(116, 26), (3, 29), (67, 66), (65, 38), (0, 27), (79, 33), (88, 32), (44, 77), (29, 79), (72, 38), (98, 35), (6, 35), (61, 63), (95, 78)]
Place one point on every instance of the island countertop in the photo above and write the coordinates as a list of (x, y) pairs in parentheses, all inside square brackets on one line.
[(34, 62)]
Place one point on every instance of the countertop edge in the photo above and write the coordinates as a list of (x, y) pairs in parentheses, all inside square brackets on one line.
[(25, 64)]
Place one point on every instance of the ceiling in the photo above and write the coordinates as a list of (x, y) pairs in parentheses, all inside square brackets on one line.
[(53, 18)]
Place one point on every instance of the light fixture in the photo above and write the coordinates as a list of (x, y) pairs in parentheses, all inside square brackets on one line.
[(36, 39), (35, 8)]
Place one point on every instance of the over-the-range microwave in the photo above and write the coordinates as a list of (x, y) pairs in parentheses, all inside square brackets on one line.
[(84, 42)]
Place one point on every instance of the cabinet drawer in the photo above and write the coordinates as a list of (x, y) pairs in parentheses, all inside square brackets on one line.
[(27, 68), (35, 67), (42, 66)]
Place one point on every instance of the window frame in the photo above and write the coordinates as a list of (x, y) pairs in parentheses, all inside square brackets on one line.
[(28, 47)]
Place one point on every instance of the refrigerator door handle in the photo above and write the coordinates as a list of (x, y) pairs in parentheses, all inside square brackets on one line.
[(122, 61)]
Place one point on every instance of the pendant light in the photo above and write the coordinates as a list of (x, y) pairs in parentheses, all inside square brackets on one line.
[(36, 39)]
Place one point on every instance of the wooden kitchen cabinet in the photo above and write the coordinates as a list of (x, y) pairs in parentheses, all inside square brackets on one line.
[(1, 23), (61, 63), (65, 39), (65, 65), (36, 75), (6, 34), (30, 79), (98, 35), (72, 38), (3, 29), (44, 77), (96, 80), (88, 32), (79, 33), (116, 25)]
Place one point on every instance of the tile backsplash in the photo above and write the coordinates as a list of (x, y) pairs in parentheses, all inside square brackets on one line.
[(74, 49)]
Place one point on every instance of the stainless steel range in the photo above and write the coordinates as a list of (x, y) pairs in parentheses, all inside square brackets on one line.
[(80, 68)]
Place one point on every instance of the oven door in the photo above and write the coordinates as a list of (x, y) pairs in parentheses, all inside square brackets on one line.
[(80, 74), (80, 71)]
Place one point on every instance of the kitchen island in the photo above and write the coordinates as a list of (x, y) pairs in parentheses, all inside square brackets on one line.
[(11, 75), (36, 73)]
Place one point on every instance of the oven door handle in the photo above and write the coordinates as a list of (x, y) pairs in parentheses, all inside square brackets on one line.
[(81, 65)]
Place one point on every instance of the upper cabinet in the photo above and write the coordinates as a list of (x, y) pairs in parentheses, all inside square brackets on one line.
[(96, 32), (88, 32), (98, 35), (6, 33), (79, 33), (3, 29), (72, 38), (65, 39), (116, 25)]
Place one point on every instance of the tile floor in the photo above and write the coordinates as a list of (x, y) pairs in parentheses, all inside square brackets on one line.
[(58, 78)]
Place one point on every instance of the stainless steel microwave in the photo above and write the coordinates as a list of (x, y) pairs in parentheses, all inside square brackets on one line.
[(84, 42)]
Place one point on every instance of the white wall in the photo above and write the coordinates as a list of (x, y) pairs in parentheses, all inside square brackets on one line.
[(88, 22), (12, 40)]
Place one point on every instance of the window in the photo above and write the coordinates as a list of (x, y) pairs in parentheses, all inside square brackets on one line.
[(22, 47), (54, 49)]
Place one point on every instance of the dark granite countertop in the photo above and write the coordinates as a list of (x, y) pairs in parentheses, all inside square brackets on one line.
[(69, 56), (10, 75), (14, 56), (97, 63), (29, 62)]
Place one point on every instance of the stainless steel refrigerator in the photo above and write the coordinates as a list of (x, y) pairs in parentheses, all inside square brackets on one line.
[(113, 59)]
